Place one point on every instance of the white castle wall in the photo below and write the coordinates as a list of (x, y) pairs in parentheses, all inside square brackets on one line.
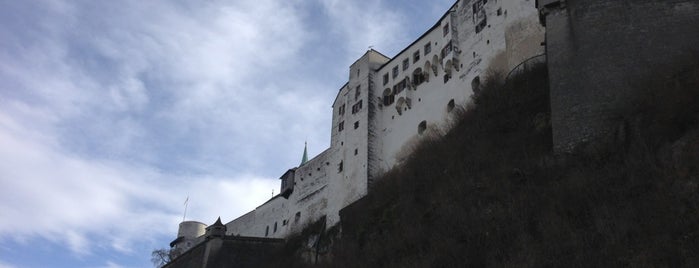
[(385, 133)]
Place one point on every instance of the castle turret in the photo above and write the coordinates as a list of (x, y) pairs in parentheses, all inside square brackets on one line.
[(187, 235), (216, 230)]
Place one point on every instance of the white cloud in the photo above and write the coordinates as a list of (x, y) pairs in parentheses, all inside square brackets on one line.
[(365, 24), (68, 199), (90, 100), (112, 112), (5, 265)]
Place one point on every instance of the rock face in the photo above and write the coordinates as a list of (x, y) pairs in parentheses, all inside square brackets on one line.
[(597, 50)]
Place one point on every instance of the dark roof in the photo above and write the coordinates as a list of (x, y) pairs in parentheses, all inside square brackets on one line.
[(218, 222)]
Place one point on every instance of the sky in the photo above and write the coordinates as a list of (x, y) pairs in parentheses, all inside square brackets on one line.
[(113, 113)]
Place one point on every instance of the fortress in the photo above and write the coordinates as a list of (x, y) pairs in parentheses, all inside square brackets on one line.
[(390, 103)]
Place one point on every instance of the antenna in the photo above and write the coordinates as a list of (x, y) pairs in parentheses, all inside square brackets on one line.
[(186, 202)]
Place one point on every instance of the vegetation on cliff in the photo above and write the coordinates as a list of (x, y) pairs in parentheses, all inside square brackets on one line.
[(490, 192)]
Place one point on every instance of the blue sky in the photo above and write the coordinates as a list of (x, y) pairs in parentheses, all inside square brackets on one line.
[(113, 112)]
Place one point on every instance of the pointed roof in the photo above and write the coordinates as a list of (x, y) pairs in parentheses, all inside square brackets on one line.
[(304, 159), (218, 222)]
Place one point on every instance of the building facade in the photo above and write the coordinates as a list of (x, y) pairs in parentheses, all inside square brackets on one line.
[(388, 104)]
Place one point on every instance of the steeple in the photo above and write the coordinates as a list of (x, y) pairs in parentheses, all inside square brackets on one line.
[(304, 159)]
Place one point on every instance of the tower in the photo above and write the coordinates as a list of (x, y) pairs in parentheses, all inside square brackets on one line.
[(216, 230)]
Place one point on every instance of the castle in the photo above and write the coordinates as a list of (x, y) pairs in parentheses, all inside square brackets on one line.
[(390, 103)]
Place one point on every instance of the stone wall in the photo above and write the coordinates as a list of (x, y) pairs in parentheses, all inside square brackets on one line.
[(600, 52)]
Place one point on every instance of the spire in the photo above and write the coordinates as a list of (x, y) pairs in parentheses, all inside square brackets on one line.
[(218, 222), (304, 159)]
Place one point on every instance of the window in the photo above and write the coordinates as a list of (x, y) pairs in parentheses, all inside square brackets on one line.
[(416, 56), (445, 29), (480, 26), (339, 167), (447, 76), (499, 11), (385, 79), (450, 105), (357, 92), (356, 125), (398, 88), (297, 217), (341, 110), (428, 48), (422, 127), (395, 72), (418, 77), (267, 231), (479, 17), (357, 107), (356, 151), (406, 64), (341, 126), (284, 222), (275, 226), (447, 49), (358, 72), (476, 85), (388, 97)]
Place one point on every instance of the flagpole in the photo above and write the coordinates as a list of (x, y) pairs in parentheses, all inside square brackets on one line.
[(186, 202)]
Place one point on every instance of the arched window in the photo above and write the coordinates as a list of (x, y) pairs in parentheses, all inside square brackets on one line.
[(428, 67), (476, 85), (422, 127), (435, 64), (400, 105), (388, 97), (418, 77), (447, 71)]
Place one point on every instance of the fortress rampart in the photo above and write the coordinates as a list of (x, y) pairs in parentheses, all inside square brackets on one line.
[(388, 104), (599, 53)]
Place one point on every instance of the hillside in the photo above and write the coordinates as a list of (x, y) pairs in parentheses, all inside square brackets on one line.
[(490, 193)]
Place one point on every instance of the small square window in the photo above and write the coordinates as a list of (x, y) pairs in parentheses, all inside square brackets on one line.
[(406, 64), (428, 48), (395, 72), (385, 79), (416, 56)]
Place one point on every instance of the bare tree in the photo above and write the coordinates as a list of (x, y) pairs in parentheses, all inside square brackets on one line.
[(161, 257)]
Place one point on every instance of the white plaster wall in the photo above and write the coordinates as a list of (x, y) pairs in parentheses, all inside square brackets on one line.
[(474, 53), (320, 188)]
